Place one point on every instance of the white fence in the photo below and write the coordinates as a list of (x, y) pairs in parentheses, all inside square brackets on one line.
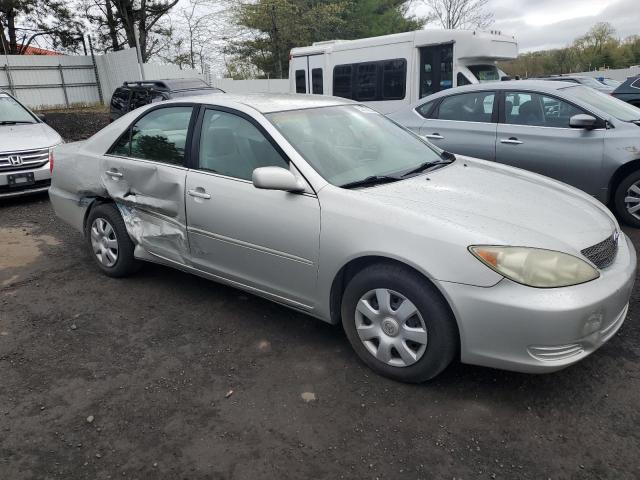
[(58, 81)]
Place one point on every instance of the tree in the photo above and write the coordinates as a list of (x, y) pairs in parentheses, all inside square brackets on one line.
[(274, 27), (459, 14), (22, 22), (117, 20)]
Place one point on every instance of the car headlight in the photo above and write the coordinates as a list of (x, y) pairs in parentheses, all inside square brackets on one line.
[(535, 267)]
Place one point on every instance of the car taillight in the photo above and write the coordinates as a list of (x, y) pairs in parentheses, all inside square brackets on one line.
[(51, 160)]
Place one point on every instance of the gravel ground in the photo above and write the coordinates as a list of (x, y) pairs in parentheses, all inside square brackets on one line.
[(167, 375)]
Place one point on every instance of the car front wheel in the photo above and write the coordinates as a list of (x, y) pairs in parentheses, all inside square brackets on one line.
[(398, 323), (627, 200)]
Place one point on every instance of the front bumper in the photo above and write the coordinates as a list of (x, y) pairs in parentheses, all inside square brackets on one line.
[(42, 177), (514, 327)]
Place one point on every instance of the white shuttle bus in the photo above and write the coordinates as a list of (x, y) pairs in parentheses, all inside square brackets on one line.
[(391, 71)]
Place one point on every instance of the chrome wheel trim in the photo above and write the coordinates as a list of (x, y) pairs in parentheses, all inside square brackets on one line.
[(104, 242), (632, 200), (390, 327)]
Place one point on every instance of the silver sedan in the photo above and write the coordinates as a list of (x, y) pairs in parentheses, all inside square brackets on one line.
[(566, 131), (328, 207)]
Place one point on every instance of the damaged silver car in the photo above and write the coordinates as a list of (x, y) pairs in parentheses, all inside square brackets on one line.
[(330, 208)]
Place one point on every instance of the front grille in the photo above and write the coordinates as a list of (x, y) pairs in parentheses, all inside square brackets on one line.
[(27, 159), (604, 253)]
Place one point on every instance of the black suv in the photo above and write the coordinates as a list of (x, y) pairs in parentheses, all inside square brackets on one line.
[(132, 95), (629, 91)]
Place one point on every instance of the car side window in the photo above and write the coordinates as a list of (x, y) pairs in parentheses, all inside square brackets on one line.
[(468, 107), (232, 146), (425, 109), (536, 110), (160, 135)]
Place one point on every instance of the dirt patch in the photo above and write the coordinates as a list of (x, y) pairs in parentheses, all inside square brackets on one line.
[(20, 247), (77, 125)]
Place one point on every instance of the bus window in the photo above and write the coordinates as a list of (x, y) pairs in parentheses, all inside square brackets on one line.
[(394, 79), (316, 81), (301, 81), (436, 69), (485, 73), (366, 82), (342, 81)]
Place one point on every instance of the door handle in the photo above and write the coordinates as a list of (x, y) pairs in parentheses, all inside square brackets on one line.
[(199, 193), (114, 173), (434, 136), (511, 141)]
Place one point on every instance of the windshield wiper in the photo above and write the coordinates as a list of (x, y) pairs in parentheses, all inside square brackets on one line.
[(372, 180), (446, 159), (12, 122)]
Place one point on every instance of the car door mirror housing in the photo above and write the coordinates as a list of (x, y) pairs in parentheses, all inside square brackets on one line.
[(587, 122), (277, 178)]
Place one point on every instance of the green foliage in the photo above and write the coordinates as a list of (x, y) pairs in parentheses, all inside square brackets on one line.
[(276, 26), (598, 48)]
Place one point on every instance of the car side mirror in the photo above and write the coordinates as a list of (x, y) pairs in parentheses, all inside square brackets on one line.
[(42, 117), (277, 178), (587, 122)]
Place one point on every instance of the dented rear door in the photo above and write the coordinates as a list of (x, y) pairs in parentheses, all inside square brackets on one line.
[(144, 173)]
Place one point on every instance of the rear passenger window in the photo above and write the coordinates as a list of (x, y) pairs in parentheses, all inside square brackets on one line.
[(425, 109), (232, 146), (371, 81), (301, 81), (468, 107), (161, 135), (120, 99), (316, 81)]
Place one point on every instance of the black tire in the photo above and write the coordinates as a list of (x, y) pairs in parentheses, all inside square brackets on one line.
[(619, 203), (125, 264), (443, 337)]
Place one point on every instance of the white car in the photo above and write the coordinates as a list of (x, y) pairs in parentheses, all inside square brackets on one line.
[(25, 147)]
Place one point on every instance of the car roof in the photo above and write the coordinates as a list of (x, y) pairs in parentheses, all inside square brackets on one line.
[(171, 84), (539, 85), (270, 102)]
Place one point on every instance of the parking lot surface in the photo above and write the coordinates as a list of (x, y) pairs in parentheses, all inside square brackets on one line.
[(167, 375)]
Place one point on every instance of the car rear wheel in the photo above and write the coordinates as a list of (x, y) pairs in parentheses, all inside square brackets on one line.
[(627, 200), (109, 243), (398, 323)]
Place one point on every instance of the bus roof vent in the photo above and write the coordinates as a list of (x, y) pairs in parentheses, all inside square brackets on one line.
[(327, 42)]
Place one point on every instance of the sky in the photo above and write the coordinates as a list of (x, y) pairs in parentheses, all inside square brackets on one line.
[(544, 24)]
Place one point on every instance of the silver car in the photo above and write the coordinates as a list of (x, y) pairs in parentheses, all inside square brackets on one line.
[(25, 144), (328, 207), (562, 130)]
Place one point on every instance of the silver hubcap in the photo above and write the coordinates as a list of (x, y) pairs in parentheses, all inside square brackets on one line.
[(391, 327), (104, 242), (632, 200)]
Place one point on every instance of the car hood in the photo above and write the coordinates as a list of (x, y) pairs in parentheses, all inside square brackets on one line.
[(499, 205), (27, 137)]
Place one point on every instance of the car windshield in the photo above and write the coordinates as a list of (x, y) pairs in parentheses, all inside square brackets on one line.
[(351, 143), (12, 112), (485, 73), (605, 103)]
